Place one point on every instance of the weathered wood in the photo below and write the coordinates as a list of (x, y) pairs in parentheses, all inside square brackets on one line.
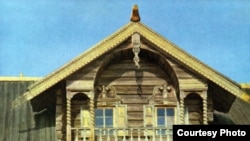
[(59, 99), (23, 123), (132, 73), (124, 82), (135, 101), (135, 88), (135, 117), (3, 108), (80, 85), (59, 125), (194, 122), (134, 107), (194, 115), (132, 89), (135, 123)]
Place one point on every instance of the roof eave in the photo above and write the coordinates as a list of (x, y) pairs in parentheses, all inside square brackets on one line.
[(77, 63), (120, 36)]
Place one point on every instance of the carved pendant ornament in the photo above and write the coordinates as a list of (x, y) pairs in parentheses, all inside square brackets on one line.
[(136, 49)]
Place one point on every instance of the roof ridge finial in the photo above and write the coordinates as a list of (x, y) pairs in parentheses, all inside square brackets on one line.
[(135, 17)]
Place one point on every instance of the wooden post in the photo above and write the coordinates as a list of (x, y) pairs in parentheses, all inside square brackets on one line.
[(92, 116), (68, 118), (182, 108), (204, 103)]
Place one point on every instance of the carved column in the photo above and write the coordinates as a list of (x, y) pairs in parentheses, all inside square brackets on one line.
[(182, 118), (204, 105), (92, 115), (68, 116)]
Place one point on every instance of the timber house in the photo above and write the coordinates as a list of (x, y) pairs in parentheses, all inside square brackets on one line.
[(133, 85)]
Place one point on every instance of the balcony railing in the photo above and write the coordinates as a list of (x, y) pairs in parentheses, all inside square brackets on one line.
[(124, 134)]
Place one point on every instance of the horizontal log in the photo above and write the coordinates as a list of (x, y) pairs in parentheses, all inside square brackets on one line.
[(59, 125), (135, 118), (195, 122), (194, 108), (210, 116), (79, 102), (135, 123), (194, 115), (135, 101), (132, 88), (59, 99), (134, 107), (133, 81), (59, 117), (134, 96), (192, 101), (59, 135), (59, 109), (130, 65), (132, 73), (80, 84), (135, 113)]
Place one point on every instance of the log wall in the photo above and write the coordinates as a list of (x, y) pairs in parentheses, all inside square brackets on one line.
[(124, 77)]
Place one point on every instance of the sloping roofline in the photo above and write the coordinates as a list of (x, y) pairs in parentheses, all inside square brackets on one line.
[(116, 38)]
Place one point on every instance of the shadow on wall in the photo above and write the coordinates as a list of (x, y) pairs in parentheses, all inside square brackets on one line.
[(39, 118)]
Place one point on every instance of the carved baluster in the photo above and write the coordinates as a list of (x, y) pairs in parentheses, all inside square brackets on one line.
[(139, 136), (205, 121), (124, 137), (182, 111), (68, 118), (160, 134), (92, 116), (100, 135), (108, 139), (131, 134), (168, 132), (116, 134), (146, 135), (76, 136), (84, 134), (153, 134)]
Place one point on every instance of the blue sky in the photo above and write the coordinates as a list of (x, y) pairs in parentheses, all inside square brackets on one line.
[(38, 37)]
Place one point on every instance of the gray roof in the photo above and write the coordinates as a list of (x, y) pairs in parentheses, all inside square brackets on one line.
[(238, 114), (23, 123)]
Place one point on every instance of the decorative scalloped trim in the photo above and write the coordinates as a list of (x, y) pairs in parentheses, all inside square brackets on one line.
[(117, 38)]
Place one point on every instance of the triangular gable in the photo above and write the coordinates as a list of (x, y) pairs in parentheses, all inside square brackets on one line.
[(117, 38)]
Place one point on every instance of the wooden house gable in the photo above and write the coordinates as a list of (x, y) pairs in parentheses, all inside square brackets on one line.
[(134, 80), (177, 65)]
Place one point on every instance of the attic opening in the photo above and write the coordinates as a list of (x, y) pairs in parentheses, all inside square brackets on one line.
[(193, 104), (79, 106)]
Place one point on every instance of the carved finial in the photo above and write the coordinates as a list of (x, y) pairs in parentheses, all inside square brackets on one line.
[(135, 17)]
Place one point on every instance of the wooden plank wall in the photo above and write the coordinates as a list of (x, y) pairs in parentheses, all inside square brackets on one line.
[(190, 81), (23, 124), (122, 76)]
